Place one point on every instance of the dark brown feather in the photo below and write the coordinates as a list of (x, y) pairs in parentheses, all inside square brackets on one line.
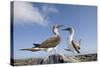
[(51, 42), (75, 47)]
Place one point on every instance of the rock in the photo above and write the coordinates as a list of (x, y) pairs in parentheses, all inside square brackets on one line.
[(59, 58)]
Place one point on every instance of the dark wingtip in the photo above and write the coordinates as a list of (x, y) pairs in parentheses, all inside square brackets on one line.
[(35, 45)]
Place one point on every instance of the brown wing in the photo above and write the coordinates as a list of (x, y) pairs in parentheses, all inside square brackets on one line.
[(75, 46), (51, 42)]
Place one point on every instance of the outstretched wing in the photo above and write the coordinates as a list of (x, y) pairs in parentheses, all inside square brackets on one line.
[(50, 42)]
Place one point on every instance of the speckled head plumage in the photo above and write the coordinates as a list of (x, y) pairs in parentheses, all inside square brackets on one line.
[(55, 28)]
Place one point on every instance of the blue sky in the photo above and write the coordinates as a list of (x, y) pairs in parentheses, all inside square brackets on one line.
[(33, 23)]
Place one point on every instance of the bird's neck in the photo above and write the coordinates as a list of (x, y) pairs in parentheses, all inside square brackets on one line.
[(56, 32), (71, 35)]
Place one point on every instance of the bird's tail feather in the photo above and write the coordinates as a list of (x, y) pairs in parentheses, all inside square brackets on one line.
[(26, 49), (36, 45), (78, 51)]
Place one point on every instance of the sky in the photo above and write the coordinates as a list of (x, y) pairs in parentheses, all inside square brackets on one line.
[(33, 24)]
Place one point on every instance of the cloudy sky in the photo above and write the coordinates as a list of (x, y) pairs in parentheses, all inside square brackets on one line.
[(33, 23), (29, 13)]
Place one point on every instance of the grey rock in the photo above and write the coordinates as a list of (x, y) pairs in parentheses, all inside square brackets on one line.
[(59, 58)]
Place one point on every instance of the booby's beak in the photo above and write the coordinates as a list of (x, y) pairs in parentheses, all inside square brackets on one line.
[(66, 29), (60, 26)]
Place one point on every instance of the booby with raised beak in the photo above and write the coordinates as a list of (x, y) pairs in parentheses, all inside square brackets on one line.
[(72, 44), (50, 43)]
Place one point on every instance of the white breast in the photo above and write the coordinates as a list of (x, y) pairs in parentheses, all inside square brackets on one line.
[(49, 49)]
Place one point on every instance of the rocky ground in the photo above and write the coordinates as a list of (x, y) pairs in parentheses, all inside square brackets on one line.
[(88, 57), (60, 58)]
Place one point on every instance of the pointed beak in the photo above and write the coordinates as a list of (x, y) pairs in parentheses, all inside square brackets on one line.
[(66, 29), (60, 26)]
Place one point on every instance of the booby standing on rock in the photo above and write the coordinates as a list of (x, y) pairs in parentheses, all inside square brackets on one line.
[(50, 43), (72, 45)]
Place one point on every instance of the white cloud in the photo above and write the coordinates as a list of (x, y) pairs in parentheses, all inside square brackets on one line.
[(49, 9), (26, 12)]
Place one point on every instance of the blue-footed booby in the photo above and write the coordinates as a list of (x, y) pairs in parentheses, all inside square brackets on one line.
[(50, 43), (72, 44)]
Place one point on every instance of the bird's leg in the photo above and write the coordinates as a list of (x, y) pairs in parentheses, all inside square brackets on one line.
[(50, 52), (55, 51), (73, 53)]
